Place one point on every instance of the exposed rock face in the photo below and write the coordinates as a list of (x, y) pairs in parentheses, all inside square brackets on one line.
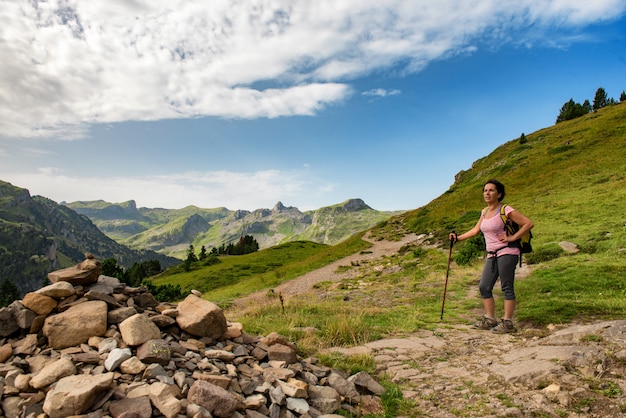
[(94, 349), (569, 247), (354, 205)]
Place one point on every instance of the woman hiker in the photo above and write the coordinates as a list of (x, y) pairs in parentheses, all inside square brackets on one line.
[(502, 257)]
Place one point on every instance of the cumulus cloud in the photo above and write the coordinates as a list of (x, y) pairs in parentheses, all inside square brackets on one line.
[(67, 64), (207, 189)]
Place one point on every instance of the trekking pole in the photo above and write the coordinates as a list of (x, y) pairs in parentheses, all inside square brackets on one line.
[(445, 288)]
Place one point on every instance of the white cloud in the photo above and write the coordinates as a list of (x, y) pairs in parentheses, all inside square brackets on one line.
[(234, 190), (381, 92), (68, 63)]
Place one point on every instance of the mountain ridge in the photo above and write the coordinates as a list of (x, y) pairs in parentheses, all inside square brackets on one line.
[(37, 236), (171, 231)]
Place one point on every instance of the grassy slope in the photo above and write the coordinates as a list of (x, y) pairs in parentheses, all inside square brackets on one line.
[(237, 276), (569, 178)]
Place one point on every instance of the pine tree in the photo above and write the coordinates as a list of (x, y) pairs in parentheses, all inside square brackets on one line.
[(571, 110), (8, 293), (191, 254), (600, 100)]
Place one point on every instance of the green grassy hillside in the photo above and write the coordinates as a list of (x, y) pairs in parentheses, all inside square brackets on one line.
[(235, 276), (569, 178)]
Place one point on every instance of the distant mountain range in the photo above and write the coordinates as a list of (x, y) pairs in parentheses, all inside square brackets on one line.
[(171, 231), (37, 235)]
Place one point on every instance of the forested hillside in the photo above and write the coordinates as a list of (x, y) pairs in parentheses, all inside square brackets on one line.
[(38, 235)]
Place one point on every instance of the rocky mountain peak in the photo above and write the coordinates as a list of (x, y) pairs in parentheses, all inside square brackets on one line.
[(278, 207), (131, 205), (354, 205)]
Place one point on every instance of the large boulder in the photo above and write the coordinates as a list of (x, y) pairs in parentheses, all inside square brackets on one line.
[(74, 395), (138, 329), (201, 318), (76, 325), (83, 273)]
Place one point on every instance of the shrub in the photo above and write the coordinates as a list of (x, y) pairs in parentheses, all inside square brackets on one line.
[(211, 259), (164, 293), (523, 139), (471, 250)]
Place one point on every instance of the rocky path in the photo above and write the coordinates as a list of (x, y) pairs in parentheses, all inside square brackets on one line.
[(329, 272), (574, 370), (304, 283)]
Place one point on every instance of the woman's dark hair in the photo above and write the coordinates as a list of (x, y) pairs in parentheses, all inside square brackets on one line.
[(499, 188)]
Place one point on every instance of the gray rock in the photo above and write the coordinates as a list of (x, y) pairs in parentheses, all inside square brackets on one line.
[(116, 357), (569, 247), (8, 322), (216, 400), (364, 380)]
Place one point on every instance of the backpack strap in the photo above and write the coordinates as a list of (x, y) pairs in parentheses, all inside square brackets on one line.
[(505, 220), (506, 228), (503, 215)]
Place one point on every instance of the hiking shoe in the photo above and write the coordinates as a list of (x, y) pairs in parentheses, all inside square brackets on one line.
[(504, 327), (485, 323)]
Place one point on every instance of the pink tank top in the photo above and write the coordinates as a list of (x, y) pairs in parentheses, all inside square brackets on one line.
[(492, 228)]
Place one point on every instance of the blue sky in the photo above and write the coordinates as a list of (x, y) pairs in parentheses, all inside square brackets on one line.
[(244, 104)]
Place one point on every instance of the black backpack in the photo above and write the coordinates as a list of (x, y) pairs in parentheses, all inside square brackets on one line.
[(511, 228)]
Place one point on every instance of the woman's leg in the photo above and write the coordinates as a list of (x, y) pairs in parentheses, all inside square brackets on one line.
[(487, 282), (506, 268), (490, 307), (509, 308)]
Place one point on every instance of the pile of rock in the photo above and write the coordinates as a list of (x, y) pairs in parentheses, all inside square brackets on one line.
[(88, 345)]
